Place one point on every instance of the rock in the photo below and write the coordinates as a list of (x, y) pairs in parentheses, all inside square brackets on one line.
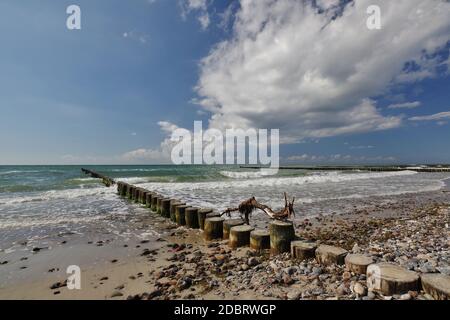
[(427, 268), (252, 261), (346, 276), (116, 294), (244, 267), (359, 289), (391, 279), (294, 295), (405, 296), (357, 263), (58, 285), (437, 285), (328, 255), (444, 270), (371, 295), (287, 280), (342, 290)]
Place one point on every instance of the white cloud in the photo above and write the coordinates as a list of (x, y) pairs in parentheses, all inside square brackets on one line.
[(200, 7), (339, 159), (433, 117), (312, 73), (136, 36), (406, 105)]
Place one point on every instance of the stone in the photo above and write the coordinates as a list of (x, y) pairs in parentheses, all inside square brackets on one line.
[(116, 294), (437, 285), (405, 296), (359, 289), (293, 295), (390, 279), (328, 255), (357, 263)]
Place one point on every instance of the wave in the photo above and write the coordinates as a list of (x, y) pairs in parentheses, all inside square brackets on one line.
[(245, 174)]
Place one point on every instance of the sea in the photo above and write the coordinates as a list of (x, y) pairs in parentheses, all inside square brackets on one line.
[(45, 202)]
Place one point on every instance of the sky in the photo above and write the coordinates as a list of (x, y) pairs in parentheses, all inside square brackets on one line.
[(112, 92)]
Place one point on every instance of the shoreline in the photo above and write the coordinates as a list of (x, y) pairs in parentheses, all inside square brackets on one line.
[(181, 265)]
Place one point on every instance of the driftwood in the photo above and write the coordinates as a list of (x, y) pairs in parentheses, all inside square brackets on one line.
[(248, 206)]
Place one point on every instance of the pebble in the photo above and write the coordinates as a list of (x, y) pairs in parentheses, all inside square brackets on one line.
[(116, 294)]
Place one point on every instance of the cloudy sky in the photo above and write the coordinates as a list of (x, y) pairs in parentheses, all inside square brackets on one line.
[(113, 91)]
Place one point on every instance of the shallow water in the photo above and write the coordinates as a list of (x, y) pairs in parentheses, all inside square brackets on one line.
[(42, 202)]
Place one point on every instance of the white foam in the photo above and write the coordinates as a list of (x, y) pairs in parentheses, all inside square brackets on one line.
[(245, 174)]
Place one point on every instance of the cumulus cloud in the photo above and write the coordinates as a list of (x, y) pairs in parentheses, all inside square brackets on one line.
[(158, 155), (406, 105), (312, 69)]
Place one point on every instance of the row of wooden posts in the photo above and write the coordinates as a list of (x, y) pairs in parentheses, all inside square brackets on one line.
[(278, 238)]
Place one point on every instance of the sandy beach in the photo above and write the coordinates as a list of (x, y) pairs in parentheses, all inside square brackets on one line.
[(411, 231)]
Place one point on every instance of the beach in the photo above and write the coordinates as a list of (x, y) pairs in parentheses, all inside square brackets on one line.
[(125, 251)]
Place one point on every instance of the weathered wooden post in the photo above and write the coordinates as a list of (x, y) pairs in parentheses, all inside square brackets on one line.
[(137, 191), (303, 250), (213, 228), (124, 190), (281, 235), (203, 214), (357, 263), (155, 202), (130, 191), (260, 240), (119, 187), (240, 236), (180, 213), (165, 208), (143, 196), (390, 279), (228, 224), (173, 206), (148, 199), (191, 217)]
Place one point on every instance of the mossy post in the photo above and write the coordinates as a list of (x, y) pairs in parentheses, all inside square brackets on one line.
[(213, 228), (137, 193), (158, 205), (155, 202), (148, 199), (119, 187), (173, 206), (228, 224), (191, 217), (281, 235), (124, 189), (202, 213), (240, 236), (260, 240), (165, 208), (180, 213), (130, 191), (143, 196)]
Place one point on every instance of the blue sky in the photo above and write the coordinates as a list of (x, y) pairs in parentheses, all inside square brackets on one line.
[(108, 92)]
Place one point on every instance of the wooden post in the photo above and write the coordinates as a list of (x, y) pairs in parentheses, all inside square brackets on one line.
[(159, 205), (260, 240), (165, 208), (148, 199), (228, 224), (155, 202), (281, 235), (390, 279), (202, 215), (191, 217), (303, 250), (213, 228), (240, 236), (137, 191), (124, 189), (130, 191), (119, 187), (180, 215), (173, 206), (143, 196), (357, 263)]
